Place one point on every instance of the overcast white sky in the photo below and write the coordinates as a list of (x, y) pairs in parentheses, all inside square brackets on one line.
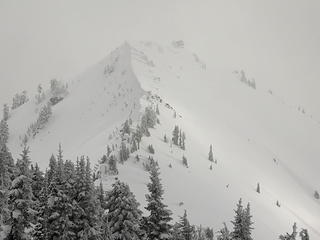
[(275, 41)]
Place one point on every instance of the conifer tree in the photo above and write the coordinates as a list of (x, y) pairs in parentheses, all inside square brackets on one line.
[(291, 236), (41, 228), (242, 224), (183, 142), (210, 154), (157, 224), (258, 188), (20, 199), (124, 217), (224, 233), (89, 223), (5, 112), (37, 182), (175, 135), (4, 132), (185, 228)]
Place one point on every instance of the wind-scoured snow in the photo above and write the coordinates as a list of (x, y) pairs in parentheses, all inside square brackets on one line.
[(255, 138)]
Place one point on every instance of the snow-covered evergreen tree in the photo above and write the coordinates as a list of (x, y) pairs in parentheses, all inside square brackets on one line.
[(124, 216), (157, 224), (20, 199), (89, 222), (242, 224), (258, 188), (291, 236), (124, 153), (185, 228), (4, 132), (5, 112), (175, 135), (224, 233), (210, 154)]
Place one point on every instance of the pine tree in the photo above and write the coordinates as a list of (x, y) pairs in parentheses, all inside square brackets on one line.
[(124, 153), (124, 217), (183, 143), (242, 224), (224, 233), (60, 205), (304, 234), (157, 224), (44, 116), (258, 188), (4, 132), (20, 199), (210, 154), (185, 228), (291, 236), (52, 168), (37, 182), (5, 112), (126, 128), (185, 161), (89, 223), (175, 135), (41, 228), (6, 174)]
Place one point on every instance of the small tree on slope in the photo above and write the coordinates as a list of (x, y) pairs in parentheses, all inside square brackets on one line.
[(157, 224)]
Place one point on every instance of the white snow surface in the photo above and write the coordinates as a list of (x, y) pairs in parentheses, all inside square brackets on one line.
[(255, 137)]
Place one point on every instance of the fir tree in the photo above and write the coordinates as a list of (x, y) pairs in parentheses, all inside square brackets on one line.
[(185, 228), (126, 128), (224, 233), (185, 161), (4, 132), (291, 236), (20, 199), (157, 224), (37, 181), (210, 154), (304, 234), (89, 222), (175, 135), (5, 112), (124, 216), (258, 188), (183, 141), (242, 224), (41, 229)]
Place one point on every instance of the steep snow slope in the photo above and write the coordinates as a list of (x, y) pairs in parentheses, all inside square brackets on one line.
[(255, 138)]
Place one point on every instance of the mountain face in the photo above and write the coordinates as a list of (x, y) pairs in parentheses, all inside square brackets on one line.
[(255, 137)]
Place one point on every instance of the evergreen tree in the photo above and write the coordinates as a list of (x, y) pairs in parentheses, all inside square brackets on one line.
[(124, 153), (20, 199), (124, 217), (44, 116), (291, 236), (37, 182), (126, 128), (4, 132), (157, 224), (185, 228), (242, 224), (210, 154), (89, 222), (224, 233), (41, 228), (183, 141), (185, 161), (5, 112), (157, 110), (258, 188), (304, 234), (175, 135), (52, 168)]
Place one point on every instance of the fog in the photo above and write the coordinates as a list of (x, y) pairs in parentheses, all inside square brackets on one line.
[(276, 42)]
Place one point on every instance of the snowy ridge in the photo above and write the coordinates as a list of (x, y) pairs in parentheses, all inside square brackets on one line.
[(268, 144)]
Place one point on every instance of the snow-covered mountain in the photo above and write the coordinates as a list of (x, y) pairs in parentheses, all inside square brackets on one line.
[(255, 137)]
